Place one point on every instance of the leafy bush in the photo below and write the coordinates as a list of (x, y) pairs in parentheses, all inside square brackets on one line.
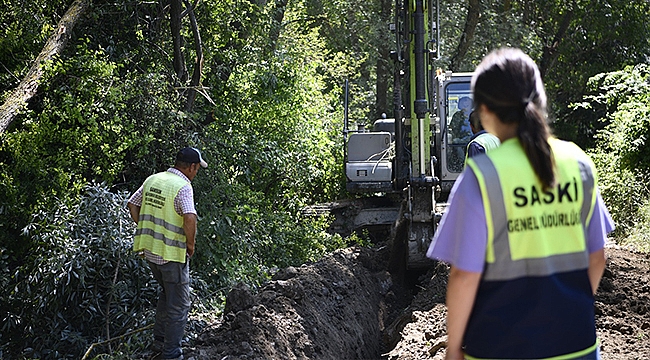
[(271, 157), (82, 285), (91, 123), (248, 241), (639, 236), (622, 155)]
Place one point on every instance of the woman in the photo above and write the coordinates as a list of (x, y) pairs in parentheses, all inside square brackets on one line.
[(525, 270)]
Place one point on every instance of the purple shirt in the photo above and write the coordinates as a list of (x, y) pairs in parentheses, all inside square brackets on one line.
[(461, 239)]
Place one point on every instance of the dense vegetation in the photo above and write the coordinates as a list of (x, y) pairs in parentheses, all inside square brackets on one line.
[(256, 85)]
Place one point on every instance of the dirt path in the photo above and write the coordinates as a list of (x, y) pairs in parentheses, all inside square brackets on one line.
[(347, 306)]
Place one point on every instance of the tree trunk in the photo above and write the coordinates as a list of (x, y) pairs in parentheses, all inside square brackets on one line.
[(473, 13), (383, 61), (198, 66), (175, 17), (277, 18), (18, 99), (550, 52)]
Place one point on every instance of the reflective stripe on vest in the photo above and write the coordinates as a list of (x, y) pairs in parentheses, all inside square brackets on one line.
[(160, 227), (559, 215), (575, 355)]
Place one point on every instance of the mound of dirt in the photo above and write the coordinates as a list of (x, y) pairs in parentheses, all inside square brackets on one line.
[(623, 306), (348, 306), (332, 309)]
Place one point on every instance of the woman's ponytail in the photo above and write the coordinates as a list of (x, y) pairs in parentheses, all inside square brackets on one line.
[(499, 82), (533, 133)]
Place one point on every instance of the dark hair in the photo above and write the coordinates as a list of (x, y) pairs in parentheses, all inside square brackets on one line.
[(508, 82), (475, 121)]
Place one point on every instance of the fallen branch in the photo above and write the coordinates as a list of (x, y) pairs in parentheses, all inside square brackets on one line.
[(92, 346)]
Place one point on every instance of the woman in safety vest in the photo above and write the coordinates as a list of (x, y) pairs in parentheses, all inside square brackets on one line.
[(524, 272)]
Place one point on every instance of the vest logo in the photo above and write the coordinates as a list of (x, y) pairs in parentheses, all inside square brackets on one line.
[(545, 220), (153, 198), (567, 191)]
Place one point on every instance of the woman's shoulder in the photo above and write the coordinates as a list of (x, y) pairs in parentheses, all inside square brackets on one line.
[(569, 151), (564, 145)]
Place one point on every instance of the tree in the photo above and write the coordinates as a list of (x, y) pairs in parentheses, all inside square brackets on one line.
[(582, 39), (622, 155), (383, 66), (554, 34), (28, 87), (473, 13)]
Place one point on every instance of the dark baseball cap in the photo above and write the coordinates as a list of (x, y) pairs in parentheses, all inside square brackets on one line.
[(191, 155)]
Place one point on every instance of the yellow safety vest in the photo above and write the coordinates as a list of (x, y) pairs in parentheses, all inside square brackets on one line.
[(535, 298), (160, 227)]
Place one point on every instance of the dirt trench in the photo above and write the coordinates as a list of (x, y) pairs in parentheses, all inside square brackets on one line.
[(348, 306)]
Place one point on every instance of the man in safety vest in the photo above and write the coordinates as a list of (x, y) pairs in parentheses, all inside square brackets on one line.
[(482, 141), (163, 208)]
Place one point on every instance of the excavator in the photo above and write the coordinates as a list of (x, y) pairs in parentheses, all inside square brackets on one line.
[(401, 170)]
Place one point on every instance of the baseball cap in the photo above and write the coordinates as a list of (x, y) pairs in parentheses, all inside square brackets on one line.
[(191, 155)]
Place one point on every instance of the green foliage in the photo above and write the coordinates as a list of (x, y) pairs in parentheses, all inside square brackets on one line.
[(639, 237), (247, 242), (83, 284), (624, 190), (354, 56), (622, 155), (91, 123), (498, 26), (603, 36), (272, 157), (26, 25)]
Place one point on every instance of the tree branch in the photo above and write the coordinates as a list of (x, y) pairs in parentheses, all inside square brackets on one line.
[(550, 52), (18, 99), (92, 346), (473, 13), (175, 23)]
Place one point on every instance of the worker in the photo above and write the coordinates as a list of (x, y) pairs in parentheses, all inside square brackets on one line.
[(523, 276), (459, 131), (459, 124), (163, 209), (482, 140)]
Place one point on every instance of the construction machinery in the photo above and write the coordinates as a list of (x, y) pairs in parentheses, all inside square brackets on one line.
[(402, 169)]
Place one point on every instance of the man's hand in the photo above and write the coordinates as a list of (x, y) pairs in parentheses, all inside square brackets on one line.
[(189, 226)]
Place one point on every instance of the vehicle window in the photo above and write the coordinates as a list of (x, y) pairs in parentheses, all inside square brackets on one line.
[(459, 105)]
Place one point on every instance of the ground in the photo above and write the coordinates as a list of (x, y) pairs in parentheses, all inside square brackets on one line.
[(349, 306)]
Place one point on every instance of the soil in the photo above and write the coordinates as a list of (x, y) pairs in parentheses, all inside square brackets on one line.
[(349, 306)]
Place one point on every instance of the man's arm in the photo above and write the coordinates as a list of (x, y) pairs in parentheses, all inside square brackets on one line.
[(461, 293), (189, 226), (134, 210)]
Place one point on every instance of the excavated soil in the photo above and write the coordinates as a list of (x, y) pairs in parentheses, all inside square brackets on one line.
[(349, 306)]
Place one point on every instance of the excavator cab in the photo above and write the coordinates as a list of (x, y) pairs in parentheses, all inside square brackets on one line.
[(455, 103), (370, 153)]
